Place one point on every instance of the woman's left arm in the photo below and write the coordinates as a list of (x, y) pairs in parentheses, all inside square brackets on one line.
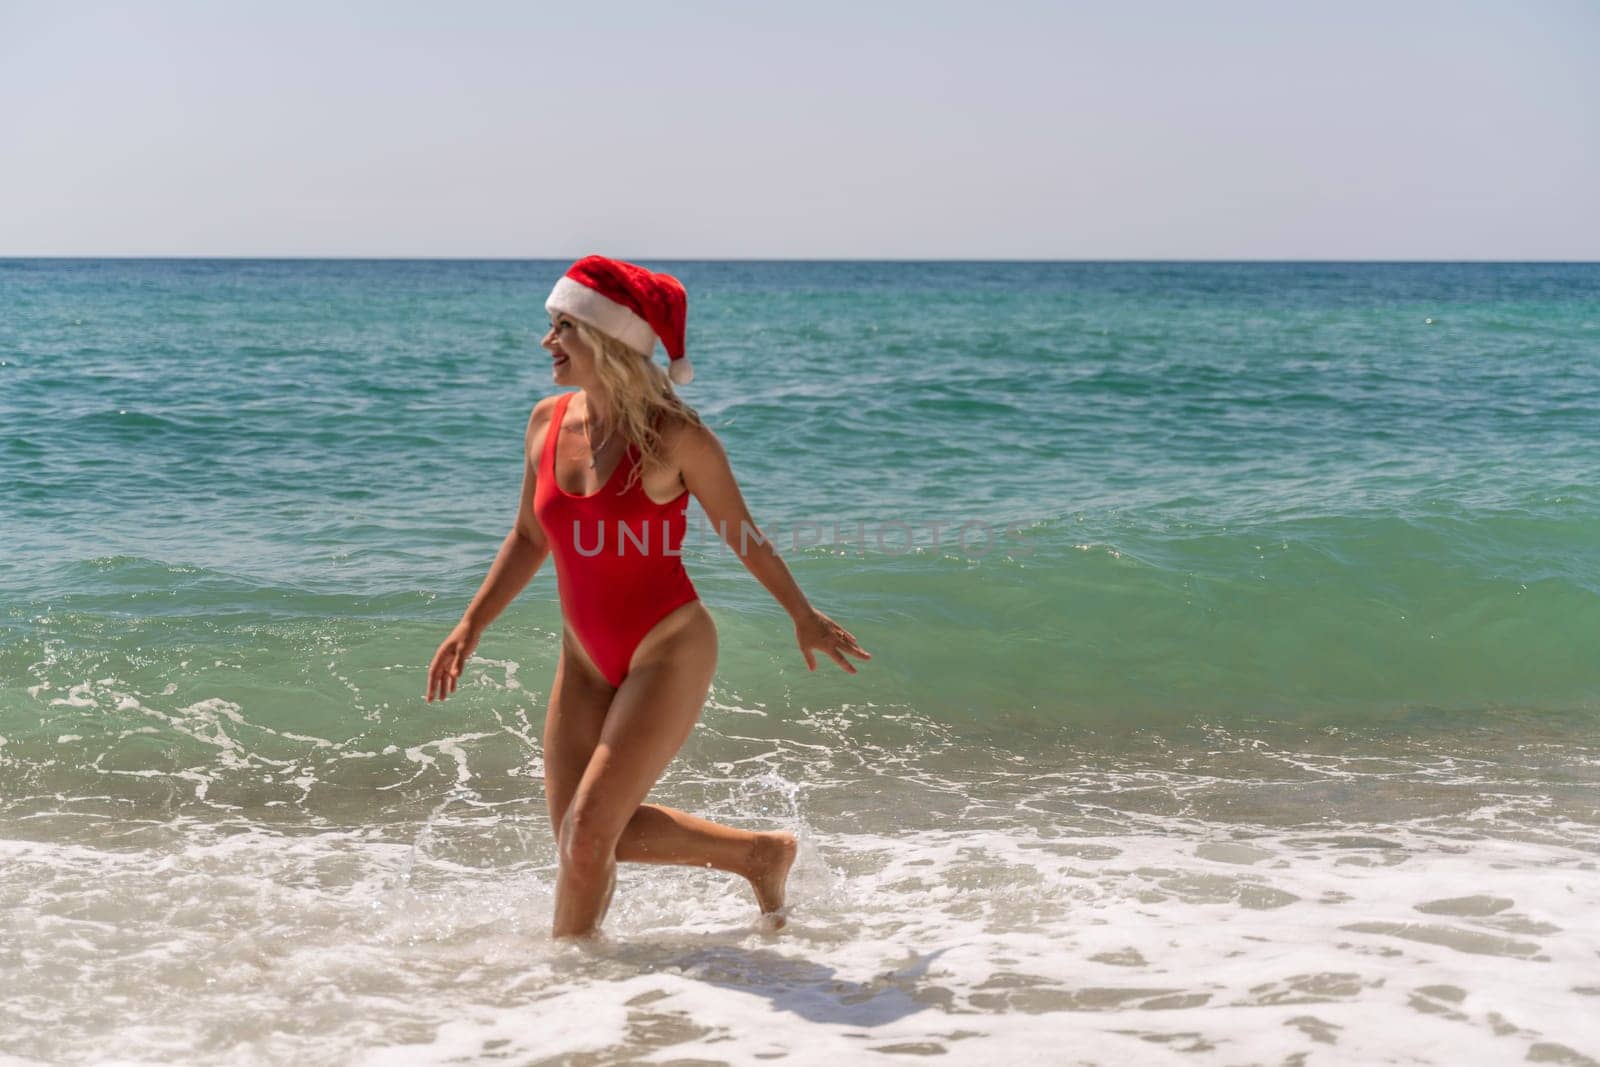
[(708, 475)]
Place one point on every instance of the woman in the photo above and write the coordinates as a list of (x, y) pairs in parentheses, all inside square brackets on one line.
[(608, 468)]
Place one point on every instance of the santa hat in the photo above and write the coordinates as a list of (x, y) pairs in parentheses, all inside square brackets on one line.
[(630, 303)]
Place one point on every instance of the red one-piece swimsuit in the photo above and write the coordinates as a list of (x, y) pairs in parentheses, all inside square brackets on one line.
[(619, 567)]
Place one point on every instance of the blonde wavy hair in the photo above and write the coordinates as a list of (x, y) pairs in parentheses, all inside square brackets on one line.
[(639, 392)]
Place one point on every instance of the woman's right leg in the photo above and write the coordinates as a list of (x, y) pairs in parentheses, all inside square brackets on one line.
[(579, 700)]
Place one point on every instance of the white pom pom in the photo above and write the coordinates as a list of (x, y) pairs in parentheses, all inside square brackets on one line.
[(680, 371)]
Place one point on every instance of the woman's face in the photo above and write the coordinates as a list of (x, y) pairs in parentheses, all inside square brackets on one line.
[(572, 360)]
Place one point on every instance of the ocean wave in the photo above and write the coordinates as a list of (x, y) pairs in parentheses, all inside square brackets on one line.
[(1086, 623)]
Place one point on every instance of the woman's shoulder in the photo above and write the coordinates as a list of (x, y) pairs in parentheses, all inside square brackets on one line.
[(689, 444), (682, 429), (545, 407), (538, 421)]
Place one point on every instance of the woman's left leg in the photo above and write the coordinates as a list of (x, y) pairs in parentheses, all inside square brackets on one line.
[(651, 715)]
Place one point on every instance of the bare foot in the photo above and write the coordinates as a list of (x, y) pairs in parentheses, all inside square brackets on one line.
[(770, 859)]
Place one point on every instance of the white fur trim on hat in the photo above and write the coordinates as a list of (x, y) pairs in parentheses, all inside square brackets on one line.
[(603, 313), (680, 370)]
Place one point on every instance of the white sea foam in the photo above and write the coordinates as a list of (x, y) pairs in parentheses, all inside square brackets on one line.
[(221, 890), (1171, 940)]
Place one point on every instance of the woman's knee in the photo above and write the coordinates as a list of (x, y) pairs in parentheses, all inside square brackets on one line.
[(587, 843)]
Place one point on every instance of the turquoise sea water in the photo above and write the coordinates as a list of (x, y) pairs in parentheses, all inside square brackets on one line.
[(1258, 548)]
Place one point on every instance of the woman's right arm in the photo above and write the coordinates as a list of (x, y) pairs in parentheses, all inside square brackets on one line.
[(519, 558)]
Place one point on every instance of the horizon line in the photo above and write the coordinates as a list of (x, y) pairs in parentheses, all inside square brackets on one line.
[(772, 259)]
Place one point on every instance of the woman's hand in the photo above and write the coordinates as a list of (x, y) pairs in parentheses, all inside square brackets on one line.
[(449, 661), (816, 630)]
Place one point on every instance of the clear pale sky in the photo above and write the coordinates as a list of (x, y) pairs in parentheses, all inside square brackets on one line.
[(1120, 130)]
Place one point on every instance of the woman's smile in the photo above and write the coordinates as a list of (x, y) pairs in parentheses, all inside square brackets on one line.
[(563, 332)]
